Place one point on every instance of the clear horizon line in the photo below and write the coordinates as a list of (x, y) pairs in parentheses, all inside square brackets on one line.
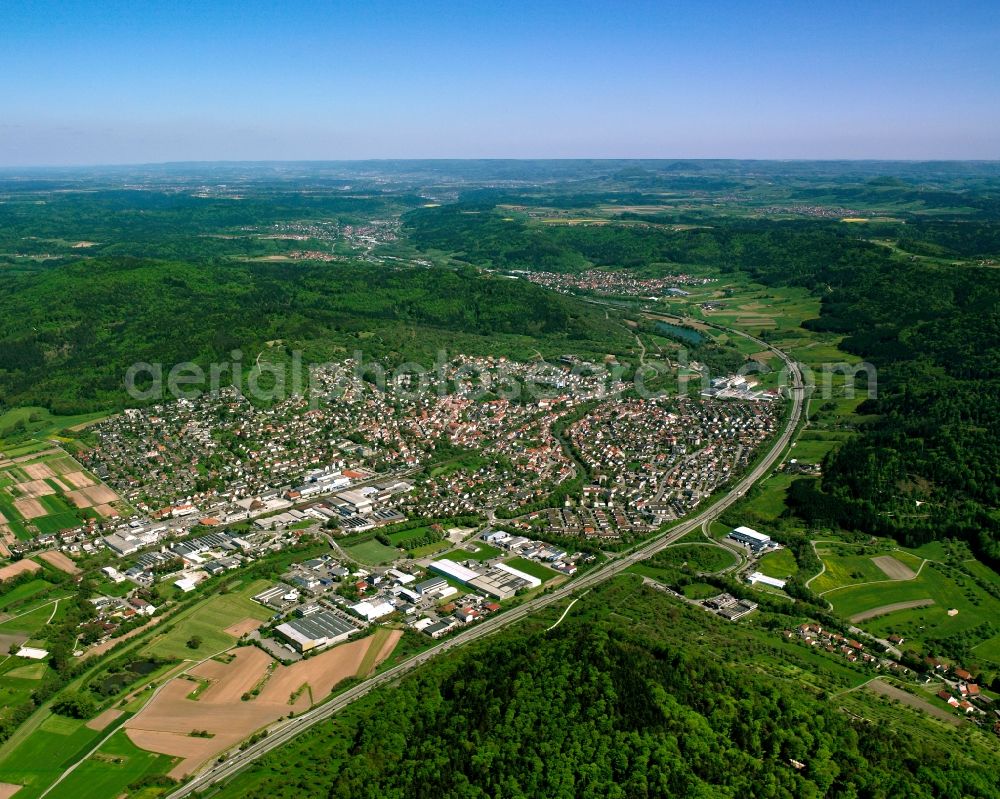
[(512, 159)]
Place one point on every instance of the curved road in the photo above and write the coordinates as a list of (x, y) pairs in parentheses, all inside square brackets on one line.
[(286, 730)]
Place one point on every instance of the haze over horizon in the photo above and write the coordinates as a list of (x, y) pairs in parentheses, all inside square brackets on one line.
[(119, 83)]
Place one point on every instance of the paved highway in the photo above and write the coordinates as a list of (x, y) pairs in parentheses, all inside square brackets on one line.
[(288, 729)]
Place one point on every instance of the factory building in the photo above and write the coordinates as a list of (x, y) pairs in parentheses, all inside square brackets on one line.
[(316, 630), (755, 541)]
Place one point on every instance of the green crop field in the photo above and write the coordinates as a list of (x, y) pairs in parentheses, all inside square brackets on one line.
[(55, 522), (25, 430), (845, 569), (28, 621), (53, 503), (208, 620), (483, 551), (41, 757), (14, 519), (33, 671), (371, 552), (533, 568), (17, 681), (117, 764)]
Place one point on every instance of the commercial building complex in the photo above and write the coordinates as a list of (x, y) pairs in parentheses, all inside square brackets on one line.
[(316, 630)]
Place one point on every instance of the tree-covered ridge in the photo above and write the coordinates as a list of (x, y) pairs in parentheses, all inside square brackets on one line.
[(594, 708), (934, 334), (68, 334), (486, 235), (169, 223)]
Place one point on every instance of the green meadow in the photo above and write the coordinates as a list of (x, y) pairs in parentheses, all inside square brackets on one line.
[(483, 551), (534, 568), (780, 564), (207, 620), (372, 553), (949, 590), (109, 771)]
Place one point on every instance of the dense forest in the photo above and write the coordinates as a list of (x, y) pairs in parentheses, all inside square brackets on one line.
[(168, 224), (68, 334), (631, 696)]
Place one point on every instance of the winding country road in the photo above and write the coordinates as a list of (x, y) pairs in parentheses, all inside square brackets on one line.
[(288, 729)]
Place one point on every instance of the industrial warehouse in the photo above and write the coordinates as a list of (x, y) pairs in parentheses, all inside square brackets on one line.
[(500, 581), (320, 629), (754, 541)]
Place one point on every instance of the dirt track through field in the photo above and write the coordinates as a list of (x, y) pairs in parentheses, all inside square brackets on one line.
[(909, 699), (894, 569), (387, 647), (164, 725), (886, 609)]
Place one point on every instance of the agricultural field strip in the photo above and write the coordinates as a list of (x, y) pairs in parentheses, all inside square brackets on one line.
[(822, 570), (53, 485), (107, 737), (42, 713), (877, 582), (885, 610)]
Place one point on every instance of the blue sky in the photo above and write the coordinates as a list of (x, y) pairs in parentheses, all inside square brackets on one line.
[(142, 81)]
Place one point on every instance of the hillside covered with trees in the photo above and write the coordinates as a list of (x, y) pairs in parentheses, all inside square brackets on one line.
[(68, 333)]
